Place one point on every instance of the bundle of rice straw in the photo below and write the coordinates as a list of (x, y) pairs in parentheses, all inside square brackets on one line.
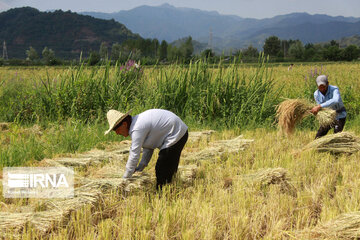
[(326, 117), (268, 176), (343, 142), (219, 148), (197, 136), (187, 173), (292, 111), (345, 226)]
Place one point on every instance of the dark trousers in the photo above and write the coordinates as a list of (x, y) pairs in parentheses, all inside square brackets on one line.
[(338, 127), (168, 162)]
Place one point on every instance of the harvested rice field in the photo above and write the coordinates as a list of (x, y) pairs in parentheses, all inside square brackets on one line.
[(227, 187), (251, 168)]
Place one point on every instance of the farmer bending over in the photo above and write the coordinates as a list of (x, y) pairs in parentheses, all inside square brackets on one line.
[(329, 96), (154, 128)]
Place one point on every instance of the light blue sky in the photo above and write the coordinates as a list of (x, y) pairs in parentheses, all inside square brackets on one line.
[(242, 8)]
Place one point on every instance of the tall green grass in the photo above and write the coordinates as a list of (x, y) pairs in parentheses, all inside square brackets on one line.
[(226, 96)]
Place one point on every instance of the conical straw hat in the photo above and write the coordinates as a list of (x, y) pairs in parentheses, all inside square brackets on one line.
[(115, 117)]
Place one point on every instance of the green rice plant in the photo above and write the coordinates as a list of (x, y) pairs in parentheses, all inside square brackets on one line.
[(225, 96)]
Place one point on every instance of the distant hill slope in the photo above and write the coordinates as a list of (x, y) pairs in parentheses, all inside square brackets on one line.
[(66, 33), (347, 41), (228, 31)]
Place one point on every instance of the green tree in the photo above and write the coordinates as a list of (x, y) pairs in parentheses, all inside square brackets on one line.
[(163, 50), (173, 53), (48, 56), (272, 46), (207, 53), (103, 51), (94, 58), (334, 43), (115, 51), (309, 53), (332, 53), (187, 49), (350, 53), (32, 54), (155, 47), (296, 50), (285, 44), (250, 52)]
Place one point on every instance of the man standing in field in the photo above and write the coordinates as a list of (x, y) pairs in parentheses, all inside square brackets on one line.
[(329, 96), (154, 128)]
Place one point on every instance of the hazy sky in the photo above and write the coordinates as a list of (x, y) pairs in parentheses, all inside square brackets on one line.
[(242, 8)]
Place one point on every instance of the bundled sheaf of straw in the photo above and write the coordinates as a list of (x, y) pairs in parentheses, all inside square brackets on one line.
[(292, 111), (187, 173), (197, 136), (326, 117), (268, 176), (345, 226), (220, 148), (13, 221), (343, 142)]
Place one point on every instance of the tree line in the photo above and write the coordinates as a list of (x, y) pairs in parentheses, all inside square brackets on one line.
[(151, 51), (295, 50)]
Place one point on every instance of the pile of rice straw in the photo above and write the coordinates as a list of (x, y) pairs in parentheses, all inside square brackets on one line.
[(345, 226), (219, 149), (187, 173), (268, 176), (343, 142), (197, 136), (292, 111)]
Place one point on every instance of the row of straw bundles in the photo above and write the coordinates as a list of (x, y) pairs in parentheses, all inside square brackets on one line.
[(292, 111)]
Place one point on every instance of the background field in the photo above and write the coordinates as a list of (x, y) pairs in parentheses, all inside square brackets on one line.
[(60, 110)]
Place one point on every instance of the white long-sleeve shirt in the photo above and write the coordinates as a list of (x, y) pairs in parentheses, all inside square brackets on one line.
[(154, 128)]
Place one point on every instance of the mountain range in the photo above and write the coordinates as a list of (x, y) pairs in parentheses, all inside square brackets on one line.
[(69, 33), (66, 33), (166, 22)]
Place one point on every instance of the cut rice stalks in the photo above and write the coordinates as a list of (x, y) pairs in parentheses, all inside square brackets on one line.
[(345, 226), (269, 176), (292, 111), (343, 142)]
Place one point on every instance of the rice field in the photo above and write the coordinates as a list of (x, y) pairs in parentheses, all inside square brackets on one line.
[(271, 187)]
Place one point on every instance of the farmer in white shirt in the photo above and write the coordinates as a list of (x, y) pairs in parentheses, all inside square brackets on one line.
[(329, 96), (154, 128)]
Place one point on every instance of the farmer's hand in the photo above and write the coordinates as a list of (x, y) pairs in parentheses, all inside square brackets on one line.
[(140, 167), (315, 109)]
